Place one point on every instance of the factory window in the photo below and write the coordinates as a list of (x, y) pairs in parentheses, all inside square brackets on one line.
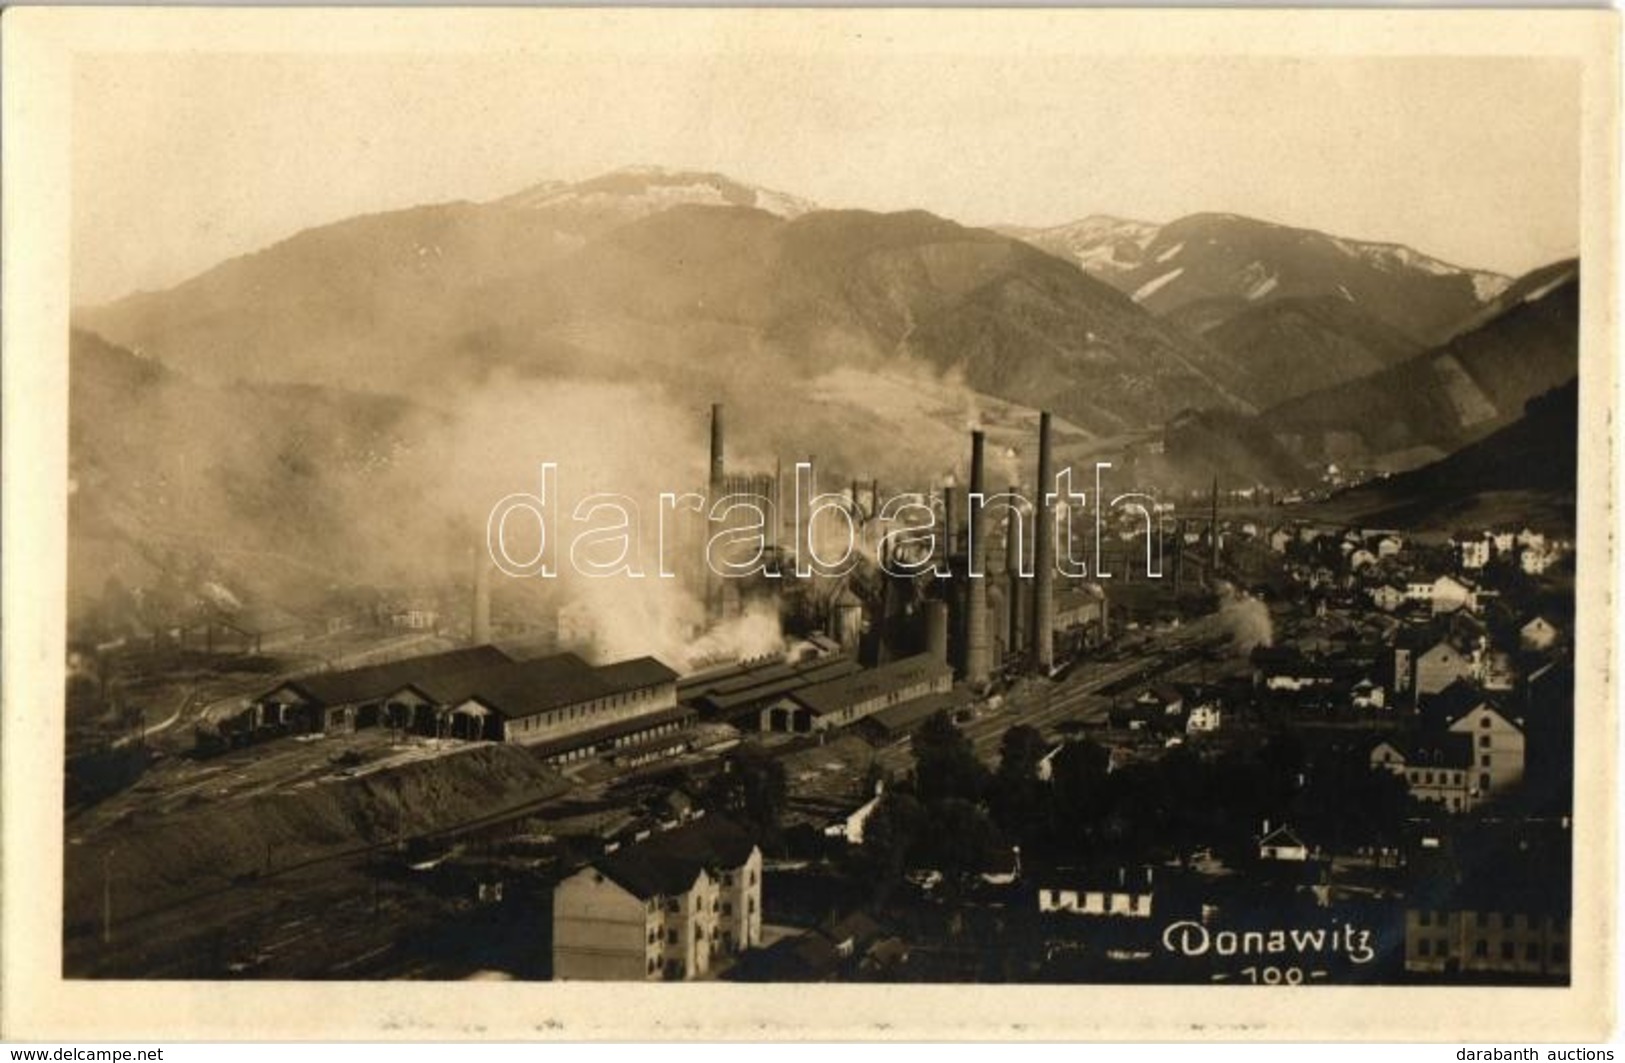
[(1481, 948), (1424, 947), (728, 909), (1484, 781), (1484, 721), (652, 965), (673, 905), (727, 878), (1480, 919), (1483, 741), (1508, 920), (1424, 918), (671, 937), (1531, 952), (1507, 952)]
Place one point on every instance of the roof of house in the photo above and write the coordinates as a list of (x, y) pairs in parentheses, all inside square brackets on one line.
[(1282, 835), (378, 680), (527, 688), (1456, 700), (898, 718), (638, 673), (742, 686), (838, 694), (668, 862), (1167, 693)]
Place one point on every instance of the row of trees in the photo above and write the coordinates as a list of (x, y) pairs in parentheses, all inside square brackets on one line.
[(956, 815)]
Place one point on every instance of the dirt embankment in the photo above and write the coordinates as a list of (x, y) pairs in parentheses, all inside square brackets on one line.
[(155, 862)]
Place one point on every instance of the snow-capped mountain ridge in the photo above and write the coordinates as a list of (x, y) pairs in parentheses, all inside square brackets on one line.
[(643, 190)]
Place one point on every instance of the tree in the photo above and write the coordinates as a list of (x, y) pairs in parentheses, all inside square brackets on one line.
[(1017, 796), (752, 788), (890, 839), (945, 763)]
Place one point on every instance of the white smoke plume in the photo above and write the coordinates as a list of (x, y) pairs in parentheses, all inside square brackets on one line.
[(1246, 619)]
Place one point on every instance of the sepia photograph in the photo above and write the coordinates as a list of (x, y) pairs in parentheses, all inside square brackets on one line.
[(1077, 501)]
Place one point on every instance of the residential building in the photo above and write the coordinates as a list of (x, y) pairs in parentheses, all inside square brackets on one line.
[(1467, 751), (1388, 596), (1113, 893), (1204, 719), (673, 906), (1443, 663), (1517, 940), (1282, 843)]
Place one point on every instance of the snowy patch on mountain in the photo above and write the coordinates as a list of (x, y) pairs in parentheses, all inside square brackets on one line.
[(1487, 286), (1152, 287)]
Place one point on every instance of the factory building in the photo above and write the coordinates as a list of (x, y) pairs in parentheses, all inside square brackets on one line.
[(560, 705), (341, 701), (737, 694), (674, 906), (844, 701)]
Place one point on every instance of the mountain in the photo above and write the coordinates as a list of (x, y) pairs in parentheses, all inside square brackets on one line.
[(1447, 397), (342, 304), (608, 278), (1102, 245), (1299, 344), (1222, 264), (1201, 444), (639, 191), (174, 484), (1523, 472)]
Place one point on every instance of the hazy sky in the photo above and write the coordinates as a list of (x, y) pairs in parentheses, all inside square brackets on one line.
[(181, 161)]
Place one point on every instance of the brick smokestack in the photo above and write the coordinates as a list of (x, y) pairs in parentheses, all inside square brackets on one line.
[(719, 467), (1213, 534), (1043, 626), (978, 653), (479, 625), (936, 629), (1015, 541), (719, 475)]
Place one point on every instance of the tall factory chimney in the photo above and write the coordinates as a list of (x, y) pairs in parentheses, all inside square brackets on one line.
[(1015, 540), (936, 629), (1213, 533), (479, 624), (1043, 633), (1179, 554), (719, 467), (950, 521), (719, 474), (776, 518), (978, 652)]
